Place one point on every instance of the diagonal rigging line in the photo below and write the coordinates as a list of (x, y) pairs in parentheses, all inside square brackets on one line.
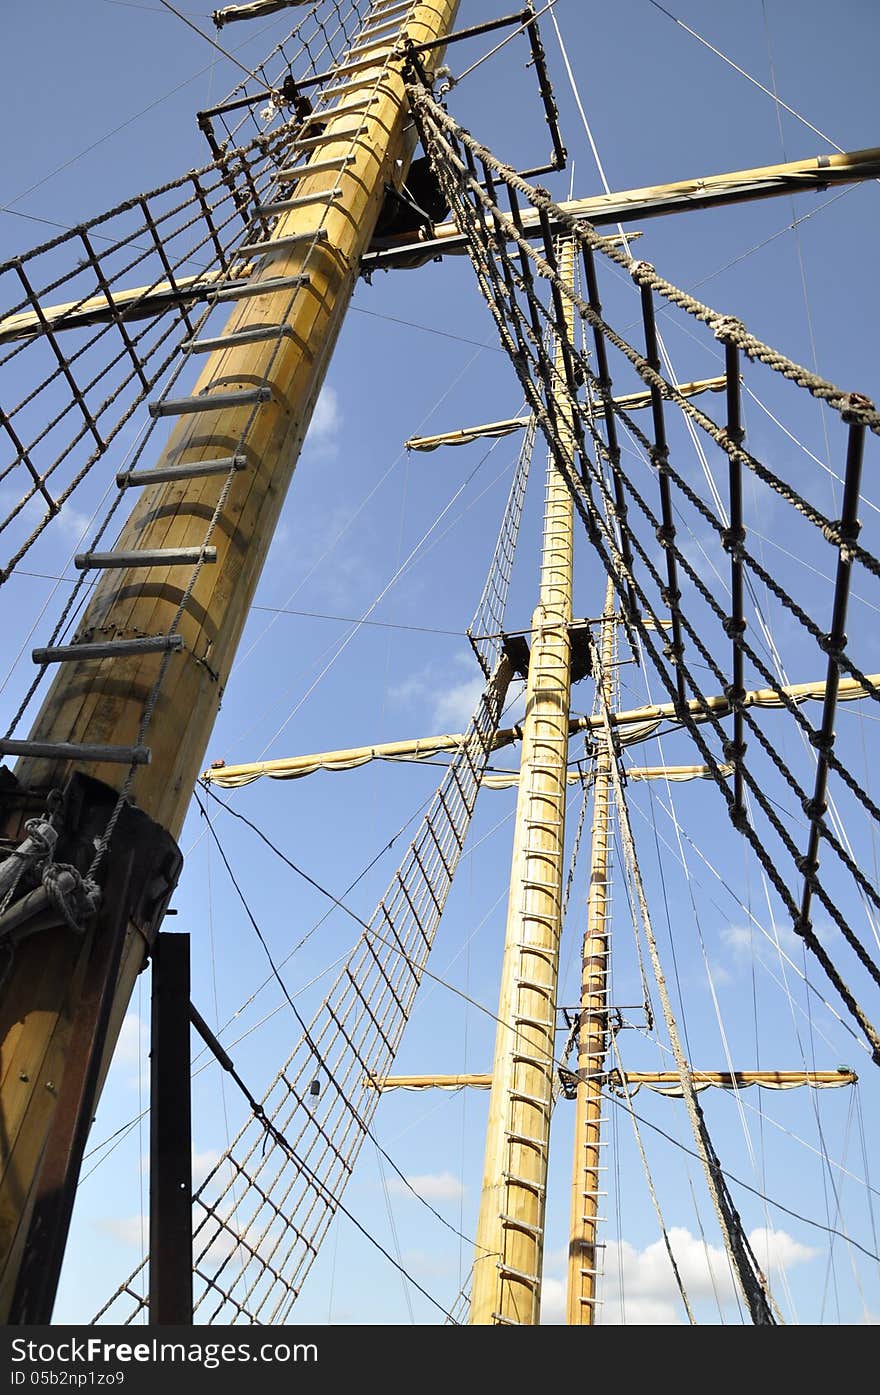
[(742, 72), (559, 1062), (754, 1290), (282, 1141), (638, 1137), (738, 1182), (8, 208), (302, 1024), (213, 42), (448, 163)]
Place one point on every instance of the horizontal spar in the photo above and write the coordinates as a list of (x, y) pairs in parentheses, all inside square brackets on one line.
[(664, 1081), (631, 401), (685, 195), (636, 724)]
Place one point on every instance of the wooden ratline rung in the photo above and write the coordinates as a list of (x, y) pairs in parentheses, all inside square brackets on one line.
[(268, 210), (512, 1180), (353, 85), (360, 64), (326, 138), (152, 557), (359, 104), (377, 28), (399, 7), (383, 45), (511, 1223), (74, 750), (108, 649), (209, 402), (289, 173), (527, 1141), (238, 290), (131, 479), (255, 335), (539, 1023), (280, 244), (508, 1272), (534, 1100)]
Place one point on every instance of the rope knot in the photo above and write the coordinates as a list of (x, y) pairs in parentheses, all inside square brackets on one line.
[(728, 327), (75, 897), (640, 271)]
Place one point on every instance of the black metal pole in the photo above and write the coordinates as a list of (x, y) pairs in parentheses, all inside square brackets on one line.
[(171, 1296)]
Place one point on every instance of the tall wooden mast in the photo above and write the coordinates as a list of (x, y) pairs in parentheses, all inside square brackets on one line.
[(100, 701), (586, 1168), (510, 1232)]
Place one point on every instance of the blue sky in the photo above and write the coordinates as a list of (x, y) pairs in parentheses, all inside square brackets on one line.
[(419, 353)]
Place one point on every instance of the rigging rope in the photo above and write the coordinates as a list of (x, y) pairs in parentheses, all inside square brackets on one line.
[(752, 1282), (477, 210)]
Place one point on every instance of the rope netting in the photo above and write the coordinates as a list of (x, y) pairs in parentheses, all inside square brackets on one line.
[(260, 1215), (636, 518), (97, 318)]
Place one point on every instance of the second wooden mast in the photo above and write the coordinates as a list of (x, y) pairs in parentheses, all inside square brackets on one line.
[(510, 1232)]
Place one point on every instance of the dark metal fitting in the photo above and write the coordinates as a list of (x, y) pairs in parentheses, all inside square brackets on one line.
[(802, 926), (659, 456), (735, 696), (738, 817), (665, 534), (831, 646), (672, 651), (814, 808), (733, 435), (809, 866), (822, 743), (733, 537), (670, 596), (733, 750), (733, 626)]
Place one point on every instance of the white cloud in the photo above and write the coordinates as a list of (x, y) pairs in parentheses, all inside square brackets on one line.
[(131, 1040), (74, 524), (552, 1302), (438, 1186), (132, 1052), (639, 1286), (128, 1230), (449, 695), (777, 1250), (202, 1163), (325, 423), (455, 706)]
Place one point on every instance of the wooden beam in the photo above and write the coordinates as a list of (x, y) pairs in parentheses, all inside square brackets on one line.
[(654, 201), (630, 402), (420, 748)]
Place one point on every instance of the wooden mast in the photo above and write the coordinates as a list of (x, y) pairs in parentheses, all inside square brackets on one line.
[(100, 701), (510, 1231), (587, 1164)]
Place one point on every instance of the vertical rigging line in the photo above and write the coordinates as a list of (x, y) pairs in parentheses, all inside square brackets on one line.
[(638, 1137), (799, 246), (404, 1278)]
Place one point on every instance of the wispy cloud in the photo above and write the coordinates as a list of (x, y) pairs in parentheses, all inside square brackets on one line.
[(432, 1186), (447, 695), (325, 424)]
